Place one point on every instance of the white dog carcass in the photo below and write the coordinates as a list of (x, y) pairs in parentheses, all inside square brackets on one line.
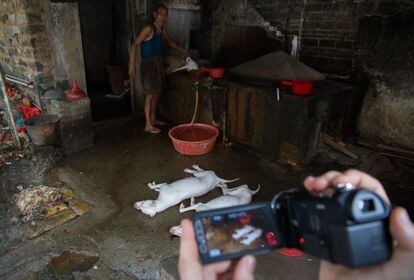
[(233, 197), (172, 194)]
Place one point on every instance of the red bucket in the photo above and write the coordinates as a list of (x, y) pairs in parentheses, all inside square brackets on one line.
[(197, 139)]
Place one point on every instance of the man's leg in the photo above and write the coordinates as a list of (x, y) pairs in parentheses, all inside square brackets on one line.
[(147, 109), (154, 103)]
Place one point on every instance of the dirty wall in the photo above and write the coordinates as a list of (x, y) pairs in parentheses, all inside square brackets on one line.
[(66, 44), (24, 44), (384, 62), (370, 41), (41, 43)]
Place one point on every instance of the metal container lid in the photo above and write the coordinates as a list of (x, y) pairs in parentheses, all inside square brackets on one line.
[(54, 94), (275, 67)]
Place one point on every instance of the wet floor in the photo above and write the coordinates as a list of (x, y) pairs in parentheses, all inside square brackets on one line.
[(117, 170), (114, 173), (111, 176)]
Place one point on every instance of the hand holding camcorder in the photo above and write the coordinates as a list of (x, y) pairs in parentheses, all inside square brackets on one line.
[(344, 225)]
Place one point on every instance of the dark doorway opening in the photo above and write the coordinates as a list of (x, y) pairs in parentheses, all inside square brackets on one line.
[(105, 40)]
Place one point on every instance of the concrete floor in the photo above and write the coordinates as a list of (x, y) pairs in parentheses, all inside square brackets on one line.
[(111, 176)]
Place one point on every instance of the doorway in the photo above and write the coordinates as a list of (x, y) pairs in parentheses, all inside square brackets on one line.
[(105, 41)]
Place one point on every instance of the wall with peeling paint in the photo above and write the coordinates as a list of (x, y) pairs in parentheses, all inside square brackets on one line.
[(66, 43), (385, 62)]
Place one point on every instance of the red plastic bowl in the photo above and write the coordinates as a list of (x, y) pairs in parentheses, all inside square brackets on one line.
[(197, 139), (300, 87), (215, 73)]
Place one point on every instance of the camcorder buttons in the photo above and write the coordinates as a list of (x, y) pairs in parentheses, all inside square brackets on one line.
[(344, 187), (203, 248), (200, 236), (198, 225), (199, 231), (320, 206)]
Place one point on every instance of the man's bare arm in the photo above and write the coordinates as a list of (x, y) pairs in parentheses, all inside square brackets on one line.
[(145, 32)]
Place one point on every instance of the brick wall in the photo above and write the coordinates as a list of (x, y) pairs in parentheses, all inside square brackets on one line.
[(24, 45), (329, 29)]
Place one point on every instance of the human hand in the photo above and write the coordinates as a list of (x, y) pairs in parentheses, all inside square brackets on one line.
[(400, 266), (190, 267), (182, 52)]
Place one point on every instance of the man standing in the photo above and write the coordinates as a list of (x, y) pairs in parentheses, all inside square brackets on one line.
[(153, 76)]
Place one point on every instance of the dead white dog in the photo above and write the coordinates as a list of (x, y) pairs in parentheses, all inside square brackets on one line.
[(242, 231), (251, 237), (233, 197), (172, 194), (248, 233)]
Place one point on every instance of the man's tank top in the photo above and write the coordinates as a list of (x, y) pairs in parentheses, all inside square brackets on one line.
[(153, 46)]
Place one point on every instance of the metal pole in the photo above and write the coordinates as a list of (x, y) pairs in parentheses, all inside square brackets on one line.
[(19, 81), (30, 85), (12, 125), (132, 79)]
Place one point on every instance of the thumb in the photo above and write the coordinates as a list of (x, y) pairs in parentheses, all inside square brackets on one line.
[(245, 268), (402, 229)]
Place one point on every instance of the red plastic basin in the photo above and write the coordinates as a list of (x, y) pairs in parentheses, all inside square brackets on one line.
[(197, 139), (300, 87)]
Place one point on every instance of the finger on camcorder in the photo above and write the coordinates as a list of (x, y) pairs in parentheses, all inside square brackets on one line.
[(216, 268), (188, 250), (245, 268), (402, 229), (188, 245), (321, 182), (361, 180)]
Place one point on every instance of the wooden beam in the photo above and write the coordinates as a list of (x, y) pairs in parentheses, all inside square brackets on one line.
[(131, 10), (331, 143)]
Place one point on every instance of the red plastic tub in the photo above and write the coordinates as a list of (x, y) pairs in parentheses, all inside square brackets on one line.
[(197, 139)]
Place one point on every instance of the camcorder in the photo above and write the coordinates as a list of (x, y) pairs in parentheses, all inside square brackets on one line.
[(344, 225)]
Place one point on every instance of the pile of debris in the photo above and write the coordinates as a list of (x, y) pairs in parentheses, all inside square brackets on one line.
[(44, 208)]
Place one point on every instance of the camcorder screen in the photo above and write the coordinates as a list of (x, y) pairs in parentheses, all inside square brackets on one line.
[(237, 233)]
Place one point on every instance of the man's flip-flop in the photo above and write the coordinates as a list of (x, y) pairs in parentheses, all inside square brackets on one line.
[(153, 131)]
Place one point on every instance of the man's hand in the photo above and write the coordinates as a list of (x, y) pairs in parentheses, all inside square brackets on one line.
[(189, 265), (401, 264)]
